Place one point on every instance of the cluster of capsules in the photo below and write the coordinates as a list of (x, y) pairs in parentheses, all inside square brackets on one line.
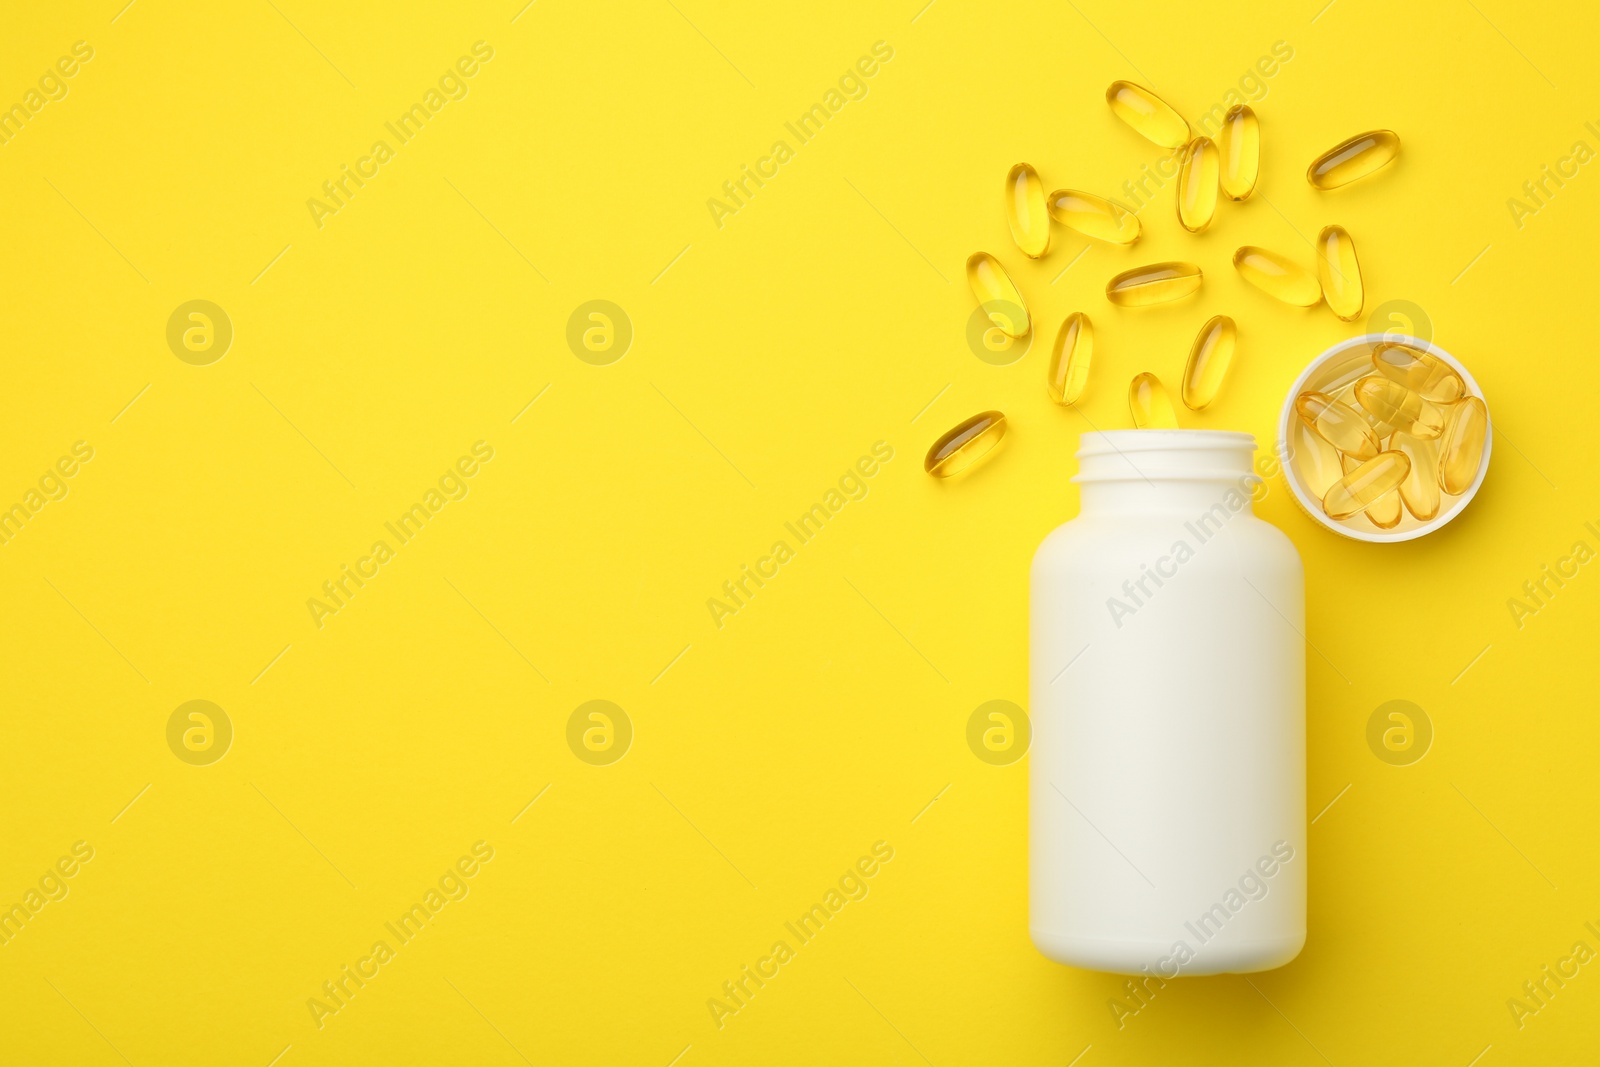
[(1205, 170), (1398, 431)]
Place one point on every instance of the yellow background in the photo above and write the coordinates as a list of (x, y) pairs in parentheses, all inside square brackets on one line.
[(769, 354)]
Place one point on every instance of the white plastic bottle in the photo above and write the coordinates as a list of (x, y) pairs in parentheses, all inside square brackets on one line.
[(1167, 791)]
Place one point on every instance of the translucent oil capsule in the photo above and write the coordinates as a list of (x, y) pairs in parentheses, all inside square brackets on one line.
[(1339, 272), (1209, 358), (1337, 423), (1069, 360), (1423, 373), (1155, 284), (1149, 403), (1094, 216), (997, 294), (1026, 211), (1393, 404), (1383, 512), (1356, 158), (1149, 115), (1420, 490), (1461, 445), (1239, 142), (1314, 458), (1197, 184), (1366, 485), (965, 445), (1277, 276)]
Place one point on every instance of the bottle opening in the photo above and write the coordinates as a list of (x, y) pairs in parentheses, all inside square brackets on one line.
[(1164, 455)]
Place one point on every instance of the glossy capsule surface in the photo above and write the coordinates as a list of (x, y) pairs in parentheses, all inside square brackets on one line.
[(965, 445), (1069, 359), (1149, 404), (1354, 159), (997, 294), (1156, 284), (1094, 216), (1239, 144), (1315, 459), (1341, 425), (1399, 408), (1026, 211), (1366, 485), (1149, 115), (1339, 272), (1384, 512), (1197, 185), (1422, 372), (1209, 359), (1461, 445), (1277, 276), (1420, 490)]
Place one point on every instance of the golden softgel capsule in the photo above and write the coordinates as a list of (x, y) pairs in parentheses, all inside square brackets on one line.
[(1366, 485), (1461, 445), (1384, 512), (1155, 284), (1315, 459), (1197, 185), (1339, 272), (966, 445), (1094, 216), (1026, 211), (1422, 372), (1277, 276), (1149, 115), (1239, 142), (1209, 358), (1339, 424), (1420, 490), (1069, 360), (1354, 159), (1399, 408), (1149, 404), (997, 294)]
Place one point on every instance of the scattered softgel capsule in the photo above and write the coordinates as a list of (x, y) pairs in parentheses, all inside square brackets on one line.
[(1422, 372), (1277, 276), (1356, 158), (1149, 115), (1209, 358), (1197, 184), (1069, 360), (965, 445), (1461, 445), (1366, 485), (1026, 212), (1155, 284), (1239, 142), (1384, 512), (1149, 404), (1420, 490), (1339, 272), (1341, 425), (997, 294), (1094, 216), (1398, 407)]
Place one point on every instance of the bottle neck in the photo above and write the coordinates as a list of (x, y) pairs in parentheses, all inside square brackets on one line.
[(1165, 472)]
